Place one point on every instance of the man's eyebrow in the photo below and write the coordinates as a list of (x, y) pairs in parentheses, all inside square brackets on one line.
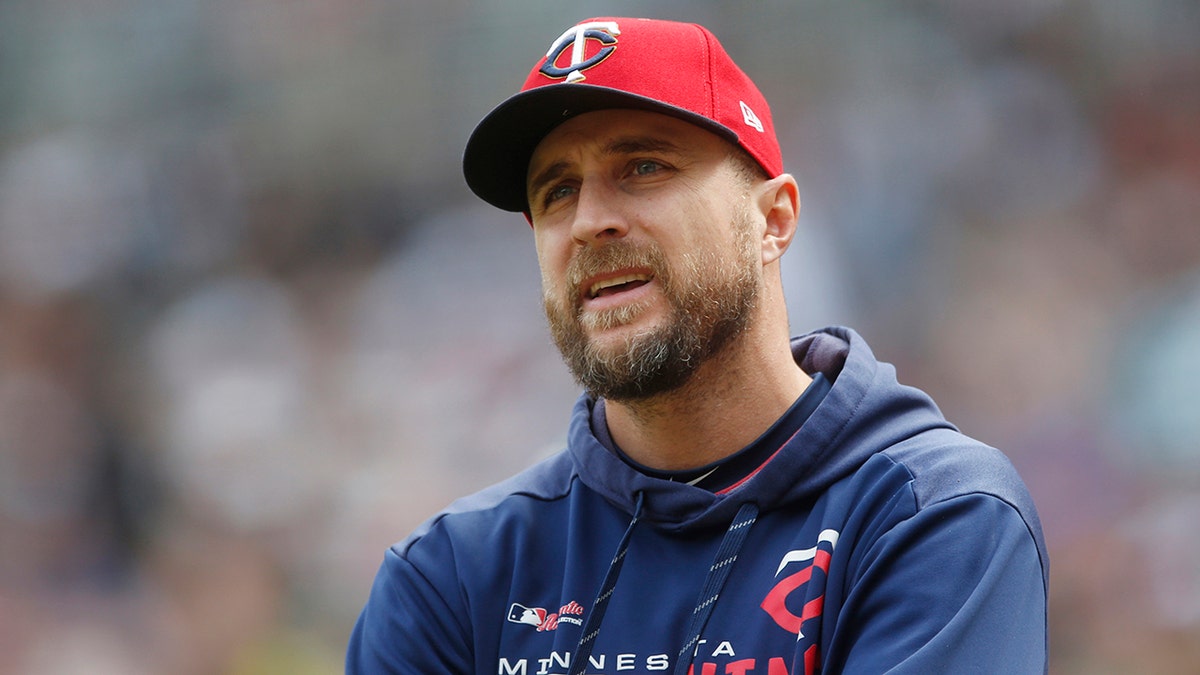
[(626, 145), (545, 176)]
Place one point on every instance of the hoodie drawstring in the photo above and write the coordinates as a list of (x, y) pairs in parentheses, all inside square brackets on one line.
[(731, 545), (591, 628), (718, 574)]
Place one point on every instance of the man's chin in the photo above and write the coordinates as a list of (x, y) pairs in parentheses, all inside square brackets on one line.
[(618, 337), (623, 322)]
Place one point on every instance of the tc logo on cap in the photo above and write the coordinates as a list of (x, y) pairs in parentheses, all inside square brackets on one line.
[(576, 37)]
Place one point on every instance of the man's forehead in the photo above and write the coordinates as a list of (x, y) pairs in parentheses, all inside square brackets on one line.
[(612, 132)]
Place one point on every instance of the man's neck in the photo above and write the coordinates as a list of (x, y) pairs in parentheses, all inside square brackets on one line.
[(728, 402)]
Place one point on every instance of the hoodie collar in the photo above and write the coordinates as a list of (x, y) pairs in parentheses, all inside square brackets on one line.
[(842, 433)]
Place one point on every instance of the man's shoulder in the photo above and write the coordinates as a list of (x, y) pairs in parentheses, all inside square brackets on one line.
[(546, 481), (945, 463)]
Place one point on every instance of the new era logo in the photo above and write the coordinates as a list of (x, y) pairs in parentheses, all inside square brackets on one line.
[(750, 118)]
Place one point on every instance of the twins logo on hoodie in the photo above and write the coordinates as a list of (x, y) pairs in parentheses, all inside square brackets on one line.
[(815, 560)]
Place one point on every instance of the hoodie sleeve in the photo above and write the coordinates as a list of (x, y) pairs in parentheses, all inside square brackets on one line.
[(956, 588), (409, 626)]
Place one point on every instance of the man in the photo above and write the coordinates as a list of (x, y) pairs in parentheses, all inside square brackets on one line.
[(731, 500)]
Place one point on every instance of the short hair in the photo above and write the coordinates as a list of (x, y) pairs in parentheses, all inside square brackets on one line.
[(745, 167)]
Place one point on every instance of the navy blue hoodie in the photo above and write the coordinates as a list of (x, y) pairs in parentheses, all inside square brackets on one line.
[(879, 539)]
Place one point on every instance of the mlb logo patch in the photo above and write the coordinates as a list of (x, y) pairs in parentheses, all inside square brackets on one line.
[(532, 616)]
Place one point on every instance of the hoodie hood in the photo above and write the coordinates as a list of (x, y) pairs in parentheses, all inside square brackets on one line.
[(829, 446)]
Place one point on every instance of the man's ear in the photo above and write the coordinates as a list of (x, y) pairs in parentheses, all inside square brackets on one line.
[(779, 202)]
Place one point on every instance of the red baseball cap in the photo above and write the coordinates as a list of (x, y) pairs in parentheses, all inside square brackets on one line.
[(677, 69)]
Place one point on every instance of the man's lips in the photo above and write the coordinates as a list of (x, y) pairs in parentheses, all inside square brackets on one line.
[(616, 282)]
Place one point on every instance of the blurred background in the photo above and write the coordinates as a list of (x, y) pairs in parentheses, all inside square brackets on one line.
[(254, 328)]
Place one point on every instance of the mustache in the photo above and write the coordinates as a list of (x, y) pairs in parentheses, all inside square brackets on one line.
[(589, 262)]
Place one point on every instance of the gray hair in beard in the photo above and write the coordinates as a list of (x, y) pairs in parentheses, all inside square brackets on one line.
[(712, 300)]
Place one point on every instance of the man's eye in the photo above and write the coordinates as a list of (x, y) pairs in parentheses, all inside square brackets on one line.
[(558, 192), (646, 167)]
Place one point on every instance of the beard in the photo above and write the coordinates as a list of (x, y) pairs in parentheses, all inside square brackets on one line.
[(711, 301)]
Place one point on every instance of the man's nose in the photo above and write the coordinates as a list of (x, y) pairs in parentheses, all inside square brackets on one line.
[(598, 215)]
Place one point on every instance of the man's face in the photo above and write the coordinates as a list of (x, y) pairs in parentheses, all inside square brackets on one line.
[(650, 257)]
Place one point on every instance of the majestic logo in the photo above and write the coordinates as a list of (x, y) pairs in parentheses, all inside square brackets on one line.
[(576, 38), (538, 617)]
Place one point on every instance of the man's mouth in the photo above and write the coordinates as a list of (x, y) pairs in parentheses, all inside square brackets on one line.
[(617, 284)]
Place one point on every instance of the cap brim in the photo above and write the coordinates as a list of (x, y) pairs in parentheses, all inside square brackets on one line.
[(497, 154)]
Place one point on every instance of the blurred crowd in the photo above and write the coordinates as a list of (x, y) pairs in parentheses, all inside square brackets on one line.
[(254, 329)]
